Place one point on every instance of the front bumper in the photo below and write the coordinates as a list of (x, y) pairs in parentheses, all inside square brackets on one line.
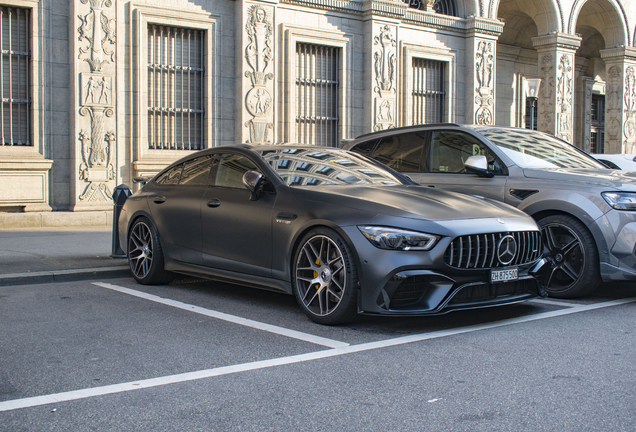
[(421, 283)]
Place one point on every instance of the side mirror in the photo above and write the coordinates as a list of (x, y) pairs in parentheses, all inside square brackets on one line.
[(478, 165), (253, 181)]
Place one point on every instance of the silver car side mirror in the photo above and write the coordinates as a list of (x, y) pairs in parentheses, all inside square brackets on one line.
[(478, 165), (253, 181)]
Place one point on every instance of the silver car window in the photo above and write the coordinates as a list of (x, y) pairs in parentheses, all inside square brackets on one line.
[(537, 150)]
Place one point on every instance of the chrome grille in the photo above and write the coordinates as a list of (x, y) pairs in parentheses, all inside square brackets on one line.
[(479, 251)]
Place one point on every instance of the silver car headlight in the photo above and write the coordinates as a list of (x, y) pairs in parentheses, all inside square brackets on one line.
[(398, 239), (621, 200)]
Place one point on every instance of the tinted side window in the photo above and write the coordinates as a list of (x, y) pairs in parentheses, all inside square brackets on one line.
[(230, 170), (365, 148), (195, 171), (171, 177), (402, 152), (450, 150)]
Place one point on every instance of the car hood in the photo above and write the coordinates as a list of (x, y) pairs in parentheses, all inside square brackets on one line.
[(409, 201), (623, 180)]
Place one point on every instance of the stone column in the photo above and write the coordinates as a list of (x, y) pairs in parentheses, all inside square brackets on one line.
[(556, 70), (481, 58), (620, 100), (255, 73), (93, 51)]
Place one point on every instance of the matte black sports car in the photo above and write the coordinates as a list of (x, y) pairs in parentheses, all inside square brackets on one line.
[(342, 232)]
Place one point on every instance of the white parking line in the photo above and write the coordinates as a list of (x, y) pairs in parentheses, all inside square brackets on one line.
[(552, 302), (243, 367), (227, 317)]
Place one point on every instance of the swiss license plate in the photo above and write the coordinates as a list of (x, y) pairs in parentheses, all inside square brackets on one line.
[(510, 274)]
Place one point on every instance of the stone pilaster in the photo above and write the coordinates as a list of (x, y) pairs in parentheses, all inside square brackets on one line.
[(384, 76), (620, 100), (481, 58), (93, 51), (556, 70), (255, 42)]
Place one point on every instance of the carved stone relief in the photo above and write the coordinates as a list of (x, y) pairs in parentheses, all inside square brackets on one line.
[(99, 32), (547, 92), (258, 53), (484, 98), (384, 65), (629, 129), (96, 101), (564, 98)]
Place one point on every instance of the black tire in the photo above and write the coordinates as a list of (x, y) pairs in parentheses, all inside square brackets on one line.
[(145, 255), (570, 248), (324, 278)]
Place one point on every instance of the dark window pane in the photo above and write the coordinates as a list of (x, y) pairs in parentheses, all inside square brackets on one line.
[(231, 169), (402, 152)]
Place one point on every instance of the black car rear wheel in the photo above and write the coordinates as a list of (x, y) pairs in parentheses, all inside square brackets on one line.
[(571, 250), (145, 255), (325, 278)]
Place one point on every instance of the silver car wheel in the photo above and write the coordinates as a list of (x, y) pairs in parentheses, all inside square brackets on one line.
[(321, 275), (566, 252), (140, 248)]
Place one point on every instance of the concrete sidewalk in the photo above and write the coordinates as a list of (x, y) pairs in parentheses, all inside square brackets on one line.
[(56, 254)]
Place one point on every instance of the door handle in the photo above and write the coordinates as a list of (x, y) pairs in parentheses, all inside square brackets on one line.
[(213, 203), (159, 199)]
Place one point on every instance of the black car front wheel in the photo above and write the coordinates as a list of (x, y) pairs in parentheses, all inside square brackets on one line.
[(571, 251), (325, 278), (145, 255)]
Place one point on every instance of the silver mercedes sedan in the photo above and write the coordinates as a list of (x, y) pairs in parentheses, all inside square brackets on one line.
[(587, 213)]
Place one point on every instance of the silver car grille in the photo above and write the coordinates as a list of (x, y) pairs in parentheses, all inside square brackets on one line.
[(480, 251)]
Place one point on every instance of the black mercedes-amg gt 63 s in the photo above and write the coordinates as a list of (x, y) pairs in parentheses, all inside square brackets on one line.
[(340, 231)]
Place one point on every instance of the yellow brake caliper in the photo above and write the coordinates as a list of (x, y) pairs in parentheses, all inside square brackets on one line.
[(316, 273)]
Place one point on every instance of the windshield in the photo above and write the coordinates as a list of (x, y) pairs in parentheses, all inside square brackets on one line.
[(326, 167), (531, 149)]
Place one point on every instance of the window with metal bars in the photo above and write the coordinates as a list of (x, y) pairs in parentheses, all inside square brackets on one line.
[(317, 92), (15, 110), (175, 88), (429, 91)]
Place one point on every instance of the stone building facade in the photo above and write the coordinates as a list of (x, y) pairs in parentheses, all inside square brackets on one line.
[(96, 92)]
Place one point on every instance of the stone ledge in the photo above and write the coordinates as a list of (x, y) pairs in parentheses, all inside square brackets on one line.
[(55, 219)]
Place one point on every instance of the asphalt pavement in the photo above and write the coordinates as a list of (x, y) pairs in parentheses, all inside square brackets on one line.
[(57, 254)]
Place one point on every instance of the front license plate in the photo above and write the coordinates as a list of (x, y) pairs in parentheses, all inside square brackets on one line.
[(506, 275)]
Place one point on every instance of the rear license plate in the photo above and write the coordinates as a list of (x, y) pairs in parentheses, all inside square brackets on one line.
[(505, 275)]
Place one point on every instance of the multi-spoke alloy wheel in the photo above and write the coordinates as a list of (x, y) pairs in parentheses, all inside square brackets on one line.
[(145, 255), (323, 278), (572, 254), (140, 250)]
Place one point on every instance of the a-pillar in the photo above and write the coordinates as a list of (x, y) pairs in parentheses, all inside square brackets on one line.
[(620, 100), (481, 58), (556, 97)]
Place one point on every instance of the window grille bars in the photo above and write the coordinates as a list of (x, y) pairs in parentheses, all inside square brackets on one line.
[(429, 94), (317, 90), (15, 110), (175, 88)]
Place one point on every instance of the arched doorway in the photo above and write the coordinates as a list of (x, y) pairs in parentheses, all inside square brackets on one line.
[(600, 23)]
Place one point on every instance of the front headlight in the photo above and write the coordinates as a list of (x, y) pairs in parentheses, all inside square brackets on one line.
[(621, 200), (398, 239)]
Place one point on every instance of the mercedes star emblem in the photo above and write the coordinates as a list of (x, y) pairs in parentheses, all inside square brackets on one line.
[(507, 249)]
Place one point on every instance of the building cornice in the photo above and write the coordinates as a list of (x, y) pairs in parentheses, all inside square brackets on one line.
[(557, 40)]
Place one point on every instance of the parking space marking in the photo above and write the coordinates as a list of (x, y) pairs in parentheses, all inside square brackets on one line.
[(553, 302), (244, 367), (227, 317)]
